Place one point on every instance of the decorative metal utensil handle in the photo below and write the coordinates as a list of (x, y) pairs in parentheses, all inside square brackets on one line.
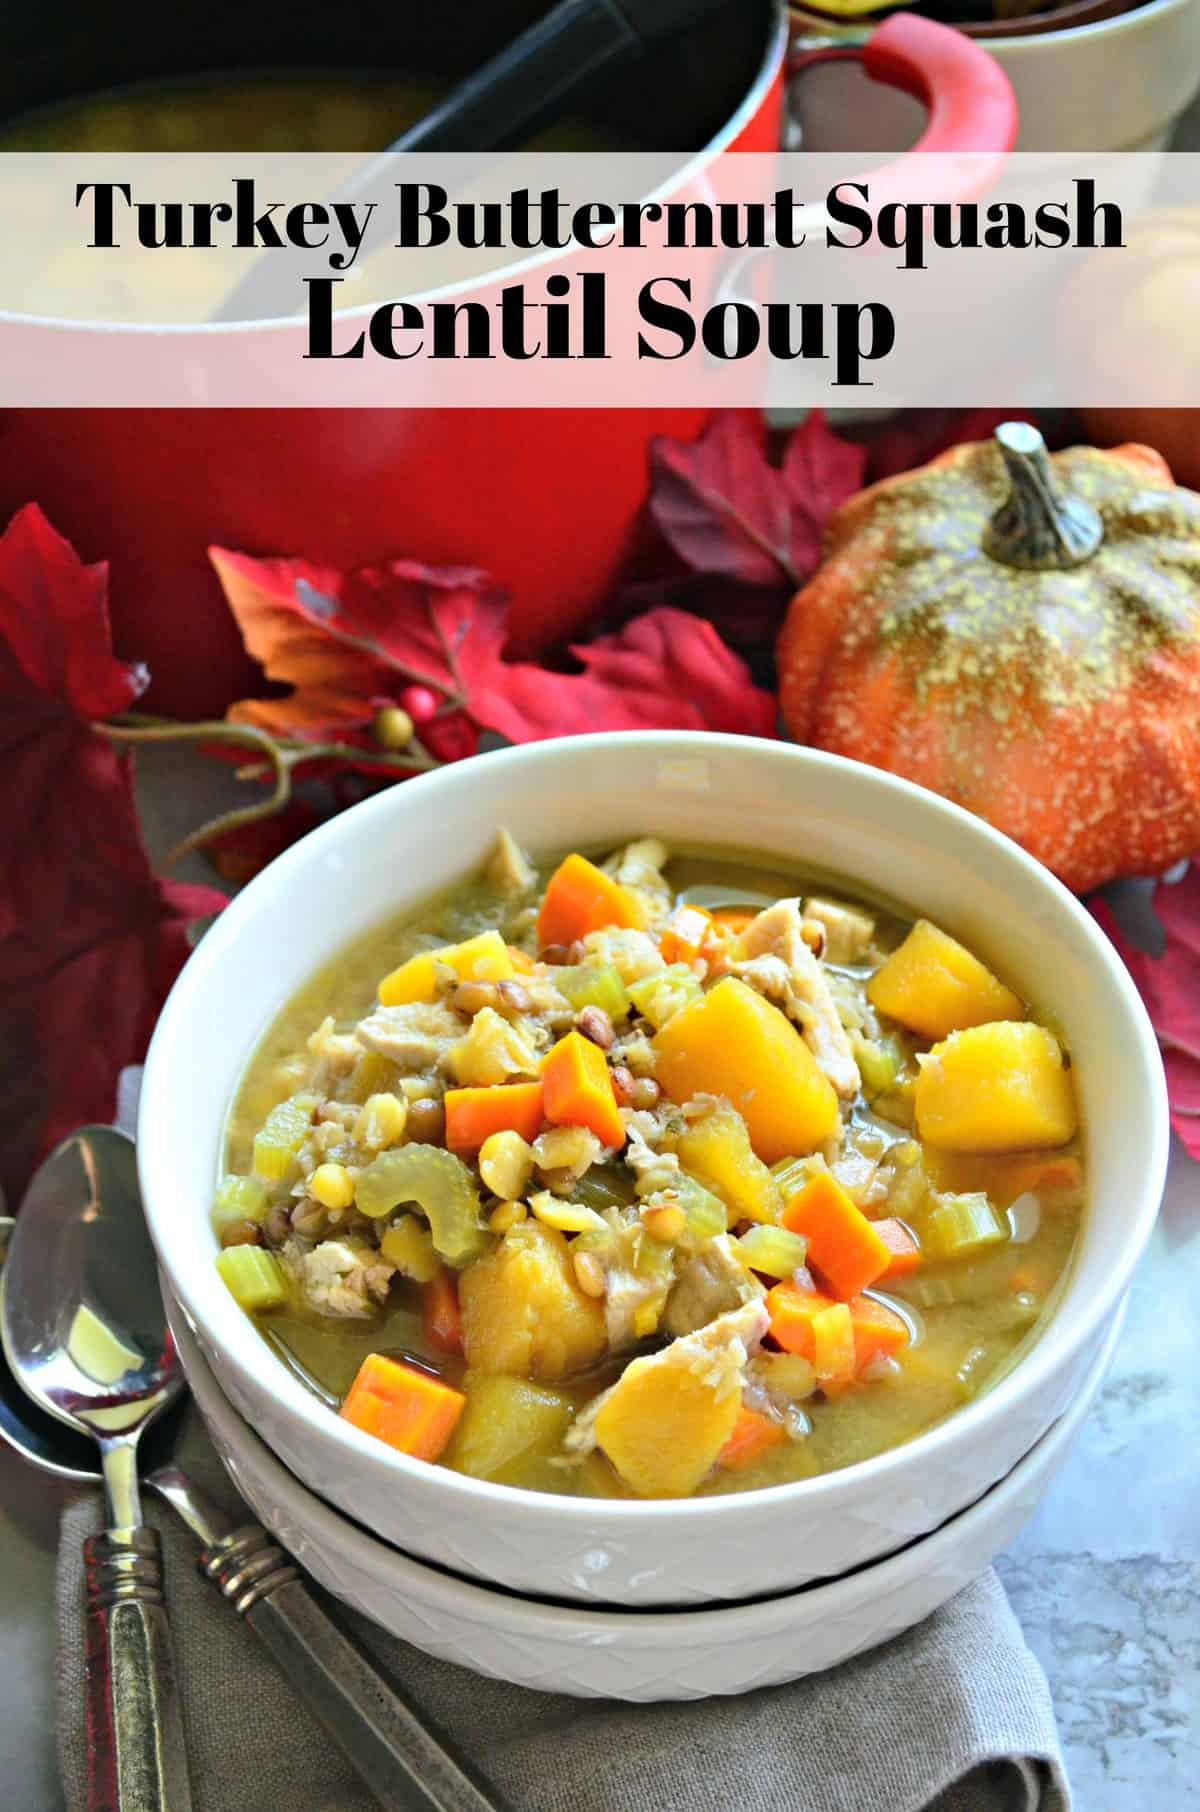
[(136, 1757), (406, 1764)]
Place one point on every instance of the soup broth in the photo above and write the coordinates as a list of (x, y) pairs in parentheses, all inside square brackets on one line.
[(834, 1350)]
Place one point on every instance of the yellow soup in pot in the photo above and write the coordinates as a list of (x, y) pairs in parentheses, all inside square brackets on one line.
[(284, 112), (651, 1174)]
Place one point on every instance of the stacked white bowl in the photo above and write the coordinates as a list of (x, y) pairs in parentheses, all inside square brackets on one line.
[(798, 808)]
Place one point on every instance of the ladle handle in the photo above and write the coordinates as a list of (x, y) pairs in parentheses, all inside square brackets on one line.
[(136, 1756), (408, 1765)]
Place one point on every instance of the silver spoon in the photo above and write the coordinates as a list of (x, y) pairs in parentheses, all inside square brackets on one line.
[(85, 1336), (404, 1763)]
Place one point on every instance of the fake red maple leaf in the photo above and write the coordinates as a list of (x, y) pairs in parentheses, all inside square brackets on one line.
[(664, 670), (1170, 986), (348, 644), (90, 939), (725, 509)]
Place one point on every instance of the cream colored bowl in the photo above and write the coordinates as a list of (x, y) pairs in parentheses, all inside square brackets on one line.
[(630, 1654), (1119, 84), (803, 807)]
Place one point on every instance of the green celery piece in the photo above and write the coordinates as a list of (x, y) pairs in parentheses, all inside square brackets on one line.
[(660, 996), (791, 1174), (878, 1065), (283, 1133), (652, 1259), (604, 1186), (239, 1199), (773, 1250), (255, 1278), (436, 1182), (959, 1226), (593, 985), (372, 1075), (706, 1217)]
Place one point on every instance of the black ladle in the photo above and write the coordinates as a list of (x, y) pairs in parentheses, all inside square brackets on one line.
[(520, 91)]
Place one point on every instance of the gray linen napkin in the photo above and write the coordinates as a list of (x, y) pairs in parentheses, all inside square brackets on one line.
[(954, 1716)]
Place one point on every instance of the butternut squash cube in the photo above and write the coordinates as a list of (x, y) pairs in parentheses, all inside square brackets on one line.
[(523, 1312), (663, 1426), (734, 1043), (717, 1152), (506, 1419), (934, 985), (1000, 1087), (482, 958)]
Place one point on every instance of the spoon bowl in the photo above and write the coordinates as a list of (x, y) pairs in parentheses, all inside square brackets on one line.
[(50, 1444), (82, 1321)]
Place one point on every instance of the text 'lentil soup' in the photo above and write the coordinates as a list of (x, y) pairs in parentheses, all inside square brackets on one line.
[(655, 1176)]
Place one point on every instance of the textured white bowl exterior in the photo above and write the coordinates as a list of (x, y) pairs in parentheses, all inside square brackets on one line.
[(806, 808), (635, 1655)]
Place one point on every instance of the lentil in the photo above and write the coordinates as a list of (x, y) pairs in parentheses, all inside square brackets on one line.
[(472, 997), (595, 1024), (426, 1122), (241, 1233)]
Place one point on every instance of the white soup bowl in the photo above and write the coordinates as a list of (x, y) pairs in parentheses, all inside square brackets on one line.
[(797, 807)]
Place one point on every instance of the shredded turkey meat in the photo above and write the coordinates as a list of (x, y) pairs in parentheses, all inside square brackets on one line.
[(341, 1276), (639, 867), (416, 1037), (509, 869), (633, 954), (779, 964), (848, 932)]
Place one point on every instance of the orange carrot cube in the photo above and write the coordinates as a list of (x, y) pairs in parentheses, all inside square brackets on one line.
[(579, 898), (410, 1410), (441, 1317), (792, 1312), (901, 1242), (734, 919), (685, 934), (877, 1329), (843, 1245), (753, 1435), (474, 1114), (577, 1089)]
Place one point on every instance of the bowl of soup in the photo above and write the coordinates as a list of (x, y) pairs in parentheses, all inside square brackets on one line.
[(652, 1169)]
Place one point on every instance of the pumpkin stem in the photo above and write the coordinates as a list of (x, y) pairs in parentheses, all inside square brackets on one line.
[(1039, 526)]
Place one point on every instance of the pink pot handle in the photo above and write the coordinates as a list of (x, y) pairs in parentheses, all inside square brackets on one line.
[(971, 103)]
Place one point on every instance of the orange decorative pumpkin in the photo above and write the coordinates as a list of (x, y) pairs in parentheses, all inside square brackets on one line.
[(1021, 633)]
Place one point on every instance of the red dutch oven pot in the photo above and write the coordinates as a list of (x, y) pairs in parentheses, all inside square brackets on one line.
[(548, 501)]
